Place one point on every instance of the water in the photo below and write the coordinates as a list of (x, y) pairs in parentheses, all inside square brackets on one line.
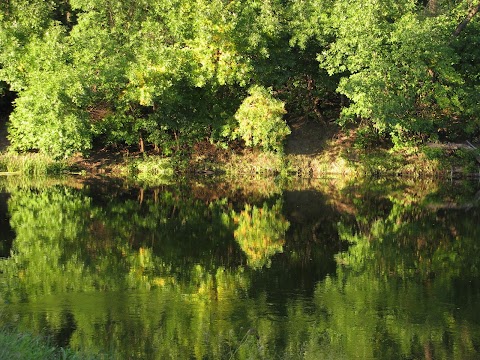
[(324, 270)]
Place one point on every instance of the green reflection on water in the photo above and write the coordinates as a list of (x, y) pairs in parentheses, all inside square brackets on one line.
[(375, 270)]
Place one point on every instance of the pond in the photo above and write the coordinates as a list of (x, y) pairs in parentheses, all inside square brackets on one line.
[(325, 269)]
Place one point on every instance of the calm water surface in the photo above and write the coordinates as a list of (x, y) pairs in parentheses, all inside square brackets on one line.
[(371, 270)]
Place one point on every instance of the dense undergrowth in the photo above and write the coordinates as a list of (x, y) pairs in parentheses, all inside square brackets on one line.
[(31, 165)]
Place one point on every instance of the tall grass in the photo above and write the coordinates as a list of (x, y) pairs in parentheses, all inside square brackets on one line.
[(30, 165), (256, 163), (28, 347)]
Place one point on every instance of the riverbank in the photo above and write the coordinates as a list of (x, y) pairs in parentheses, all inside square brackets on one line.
[(313, 150)]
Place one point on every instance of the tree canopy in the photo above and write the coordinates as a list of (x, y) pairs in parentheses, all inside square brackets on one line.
[(152, 72)]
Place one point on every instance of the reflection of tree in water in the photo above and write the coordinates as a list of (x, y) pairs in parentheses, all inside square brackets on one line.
[(98, 256), (261, 233), (414, 241), (66, 242), (6, 232), (408, 261)]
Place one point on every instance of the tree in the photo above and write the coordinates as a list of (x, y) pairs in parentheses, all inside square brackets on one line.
[(157, 73), (473, 11), (260, 233)]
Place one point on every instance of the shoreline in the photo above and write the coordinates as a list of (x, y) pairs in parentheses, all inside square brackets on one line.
[(146, 167), (312, 151)]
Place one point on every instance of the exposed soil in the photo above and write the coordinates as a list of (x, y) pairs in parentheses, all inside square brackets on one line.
[(100, 162), (309, 137)]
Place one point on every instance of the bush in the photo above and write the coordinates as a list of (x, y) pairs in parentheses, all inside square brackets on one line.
[(260, 121), (152, 169)]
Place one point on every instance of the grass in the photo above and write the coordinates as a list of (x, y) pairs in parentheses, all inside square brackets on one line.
[(30, 165), (335, 160), (28, 347), (454, 160)]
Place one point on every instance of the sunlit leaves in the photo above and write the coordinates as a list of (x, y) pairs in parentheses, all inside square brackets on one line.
[(397, 66), (260, 121), (159, 70)]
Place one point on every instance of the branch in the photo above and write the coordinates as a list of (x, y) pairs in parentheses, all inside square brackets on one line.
[(465, 21)]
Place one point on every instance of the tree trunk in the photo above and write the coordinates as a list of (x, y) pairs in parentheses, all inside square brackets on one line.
[(473, 11), (432, 6)]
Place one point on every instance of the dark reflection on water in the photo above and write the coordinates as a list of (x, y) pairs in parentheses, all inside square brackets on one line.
[(378, 270), (6, 232)]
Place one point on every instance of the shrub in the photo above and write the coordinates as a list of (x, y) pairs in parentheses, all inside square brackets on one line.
[(260, 121)]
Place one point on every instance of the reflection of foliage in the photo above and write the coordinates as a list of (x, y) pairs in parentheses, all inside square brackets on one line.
[(409, 231), (261, 233), (415, 241), (159, 273), (46, 223), (395, 293), (65, 242), (364, 316)]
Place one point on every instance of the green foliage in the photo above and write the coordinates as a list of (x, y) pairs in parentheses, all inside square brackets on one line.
[(409, 76), (402, 223), (367, 137), (31, 165), (170, 73), (398, 68), (260, 120), (152, 169), (46, 115)]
